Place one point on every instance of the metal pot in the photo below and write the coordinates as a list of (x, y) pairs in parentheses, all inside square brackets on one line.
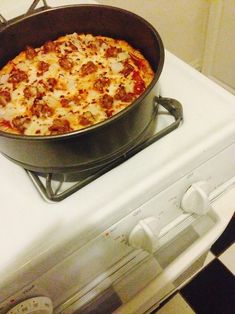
[(93, 146)]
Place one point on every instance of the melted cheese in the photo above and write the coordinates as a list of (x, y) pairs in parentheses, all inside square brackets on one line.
[(79, 94)]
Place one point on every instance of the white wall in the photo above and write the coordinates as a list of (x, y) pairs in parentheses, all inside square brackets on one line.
[(182, 24), (200, 32), (219, 60)]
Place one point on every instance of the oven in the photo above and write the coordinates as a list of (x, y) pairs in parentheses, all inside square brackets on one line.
[(120, 240)]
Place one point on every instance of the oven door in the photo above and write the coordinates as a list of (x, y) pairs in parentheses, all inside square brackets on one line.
[(145, 280)]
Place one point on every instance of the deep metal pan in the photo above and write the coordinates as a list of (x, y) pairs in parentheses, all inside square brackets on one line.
[(93, 146)]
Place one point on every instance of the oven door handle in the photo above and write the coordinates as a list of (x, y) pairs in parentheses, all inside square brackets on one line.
[(223, 209)]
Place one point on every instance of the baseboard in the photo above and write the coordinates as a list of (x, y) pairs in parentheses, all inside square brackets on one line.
[(196, 64), (224, 85)]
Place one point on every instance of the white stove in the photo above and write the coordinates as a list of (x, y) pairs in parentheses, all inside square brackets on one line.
[(117, 244)]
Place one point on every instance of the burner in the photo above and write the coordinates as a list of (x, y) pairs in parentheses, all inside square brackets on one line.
[(56, 187)]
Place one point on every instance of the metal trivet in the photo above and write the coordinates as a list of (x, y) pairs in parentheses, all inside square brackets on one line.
[(32, 9), (57, 191)]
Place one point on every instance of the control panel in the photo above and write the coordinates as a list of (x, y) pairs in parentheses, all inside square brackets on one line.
[(146, 232), (145, 229)]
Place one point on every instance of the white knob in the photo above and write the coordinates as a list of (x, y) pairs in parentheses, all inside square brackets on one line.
[(196, 198), (145, 234)]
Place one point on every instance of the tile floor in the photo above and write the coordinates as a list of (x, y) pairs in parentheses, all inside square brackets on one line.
[(212, 290)]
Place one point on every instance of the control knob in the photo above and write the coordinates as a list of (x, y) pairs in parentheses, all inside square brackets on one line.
[(145, 234), (196, 198)]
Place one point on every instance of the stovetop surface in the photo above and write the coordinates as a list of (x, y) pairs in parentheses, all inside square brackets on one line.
[(30, 227)]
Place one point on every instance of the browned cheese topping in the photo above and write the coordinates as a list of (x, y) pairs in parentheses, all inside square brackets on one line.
[(70, 83)]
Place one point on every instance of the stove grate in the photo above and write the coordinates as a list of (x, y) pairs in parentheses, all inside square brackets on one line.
[(57, 192)]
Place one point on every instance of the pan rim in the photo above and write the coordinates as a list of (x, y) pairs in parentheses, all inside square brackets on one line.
[(100, 125)]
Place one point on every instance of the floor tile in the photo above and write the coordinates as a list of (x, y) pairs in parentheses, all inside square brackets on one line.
[(225, 240), (228, 258), (194, 269), (212, 290), (176, 305)]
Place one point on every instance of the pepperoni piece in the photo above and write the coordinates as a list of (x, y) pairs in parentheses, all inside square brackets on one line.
[(5, 123), (59, 126), (137, 61), (5, 97), (136, 76), (92, 46), (17, 76), (72, 46), (88, 68), (30, 91), (86, 118), (84, 121), (39, 109), (122, 95), (109, 113), (128, 69), (65, 63), (77, 99), (106, 101), (49, 46), (101, 83), (81, 95), (64, 102), (129, 97), (30, 53), (51, 83), (139, 86), (112, 52), (43, 67), (21, 123)]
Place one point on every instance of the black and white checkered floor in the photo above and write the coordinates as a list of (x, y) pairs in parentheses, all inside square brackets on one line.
[(212, 290)]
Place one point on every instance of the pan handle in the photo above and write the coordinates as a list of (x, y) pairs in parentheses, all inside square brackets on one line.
[(31, 11), (175, 108)]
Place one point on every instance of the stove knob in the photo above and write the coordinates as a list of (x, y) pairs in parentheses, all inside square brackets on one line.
[(145, 234), (196, 199)]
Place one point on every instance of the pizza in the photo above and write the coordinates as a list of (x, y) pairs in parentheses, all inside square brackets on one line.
[(71, 83)]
